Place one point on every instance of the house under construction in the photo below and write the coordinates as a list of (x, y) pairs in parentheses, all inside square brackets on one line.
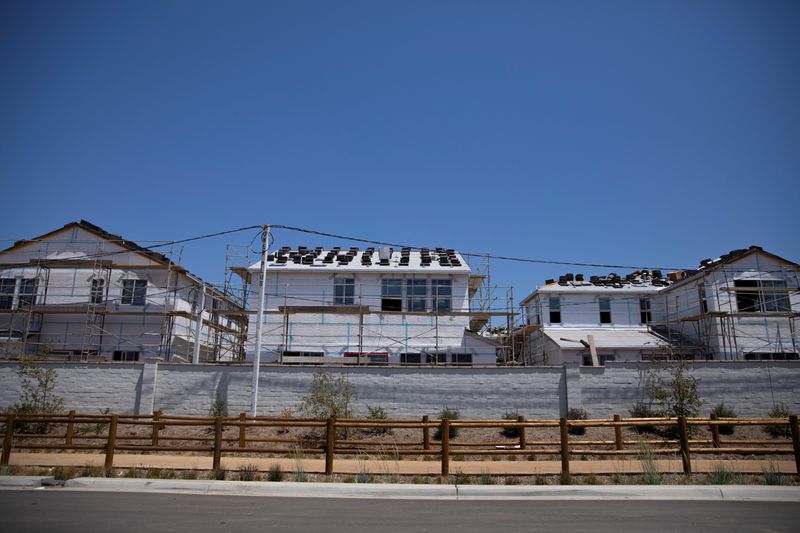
[(82, 293), (373, 306)]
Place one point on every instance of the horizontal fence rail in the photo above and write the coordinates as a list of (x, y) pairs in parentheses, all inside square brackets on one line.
[(230, 435)]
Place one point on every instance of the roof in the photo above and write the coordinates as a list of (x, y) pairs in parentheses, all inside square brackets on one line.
[(385, 259), (638, 282), (710, 265), (606, 338), (116, 239)]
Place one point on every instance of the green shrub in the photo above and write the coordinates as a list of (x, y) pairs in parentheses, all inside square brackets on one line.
[(378, 413), (510, 432), (218, 474), (328, 396), (576, 413), (644, 410), (219, 408), (275, 473), (447, 414), (299, 475), (364, 477), (779, 411), (723, 411), (189, 474)]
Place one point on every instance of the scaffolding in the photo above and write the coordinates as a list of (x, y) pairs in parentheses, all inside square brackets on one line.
[(77, 305)]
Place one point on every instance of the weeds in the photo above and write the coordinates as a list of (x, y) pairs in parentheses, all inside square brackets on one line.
[(248, 473), (364, 477), (218, 474), (485, 479), (299, 474), (275, 473), (721, 475), (511, 480), (772, 476), (189, 474), (650, 473)]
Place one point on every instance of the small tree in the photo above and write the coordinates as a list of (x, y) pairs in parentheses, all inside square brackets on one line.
[(674, 396), (37, 394), (678, 396), (329, 396)]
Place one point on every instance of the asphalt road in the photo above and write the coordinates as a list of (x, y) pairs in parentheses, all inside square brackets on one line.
[(56, 510)]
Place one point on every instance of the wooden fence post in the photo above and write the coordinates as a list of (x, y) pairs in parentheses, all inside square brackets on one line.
[(564, 451), (156, 428), (714, 432), (330, 445), (523, 441), (683, 432), (242, 428), (8, 440), (618, 444), (112, 442), (70, 428), (426, 434), (445, 447), (217, 443), (795, 441)]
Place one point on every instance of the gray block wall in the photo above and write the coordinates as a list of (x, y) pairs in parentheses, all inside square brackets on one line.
[(751, 388)]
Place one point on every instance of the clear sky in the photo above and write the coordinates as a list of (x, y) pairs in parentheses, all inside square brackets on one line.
[(643, 132)]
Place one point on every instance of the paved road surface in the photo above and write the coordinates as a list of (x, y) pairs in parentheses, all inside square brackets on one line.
[(61, 510)]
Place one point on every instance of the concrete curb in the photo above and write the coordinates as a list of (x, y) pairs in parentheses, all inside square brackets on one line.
[(442, 492), (24, 481)]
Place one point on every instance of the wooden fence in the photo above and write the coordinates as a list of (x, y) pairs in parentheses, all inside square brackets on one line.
[(332, 437)]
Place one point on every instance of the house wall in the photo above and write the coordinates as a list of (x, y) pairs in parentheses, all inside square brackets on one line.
[(734, 337), (580, 309), (71, 287), (751, 388), (333, 334)]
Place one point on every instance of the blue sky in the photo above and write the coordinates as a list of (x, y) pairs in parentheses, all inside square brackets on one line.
[(642, 132)]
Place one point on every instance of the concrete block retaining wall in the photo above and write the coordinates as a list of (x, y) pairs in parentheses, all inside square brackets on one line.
[(751, 388)]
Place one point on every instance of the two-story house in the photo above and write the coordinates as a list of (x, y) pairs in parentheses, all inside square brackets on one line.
[(372, 306), (591, 321), (743, 305), (82, 293)]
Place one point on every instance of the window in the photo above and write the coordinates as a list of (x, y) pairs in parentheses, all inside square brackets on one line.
[(416, 292), (7, 286), (437, 358), (134, 291), (392, 295), (463, 359), (555, 310), (410, 358), (701, 295), (98, 290), (442, 292), (644, 310), (770, 300), (602, 358), (125, 355), (344, 290), (773, 356), (27, 292), (605, 310)]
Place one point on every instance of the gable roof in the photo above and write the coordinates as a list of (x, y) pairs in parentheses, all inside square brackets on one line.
[(710, 265), (116, 239)]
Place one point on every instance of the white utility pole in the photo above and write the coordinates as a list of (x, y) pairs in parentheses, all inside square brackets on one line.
[(259, 320), (198, 326)]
